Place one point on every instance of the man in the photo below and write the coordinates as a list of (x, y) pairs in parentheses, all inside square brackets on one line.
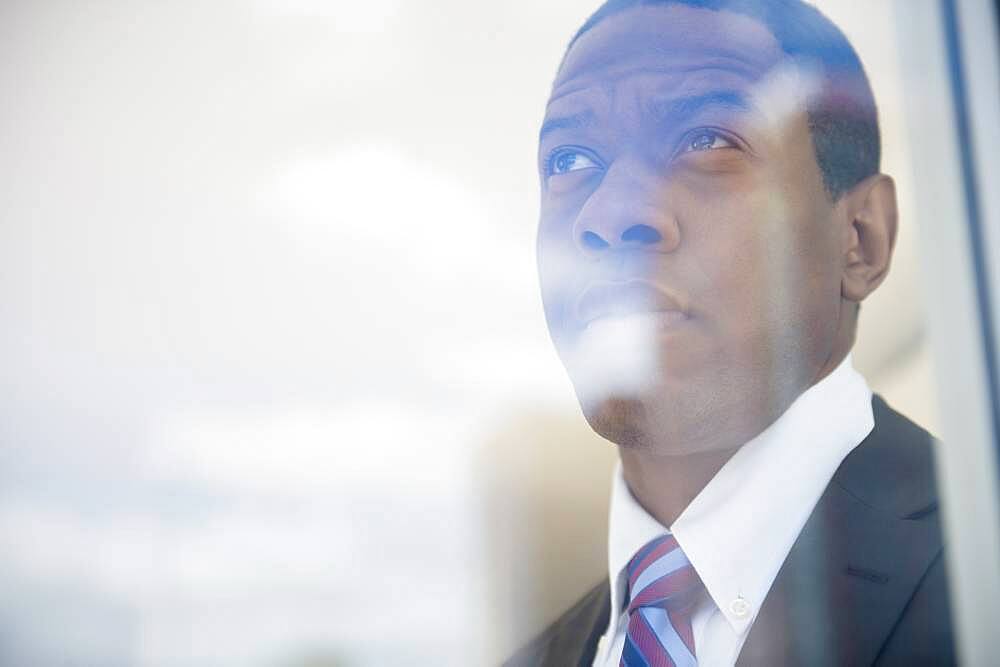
[(712, 216)]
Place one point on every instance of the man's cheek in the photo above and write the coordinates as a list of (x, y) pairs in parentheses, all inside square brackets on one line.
[(560, 275), (561, 265)]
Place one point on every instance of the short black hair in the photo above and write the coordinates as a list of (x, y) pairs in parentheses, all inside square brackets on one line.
[(843, 118)]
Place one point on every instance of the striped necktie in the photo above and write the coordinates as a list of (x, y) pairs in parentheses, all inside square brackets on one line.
[(662, 588)]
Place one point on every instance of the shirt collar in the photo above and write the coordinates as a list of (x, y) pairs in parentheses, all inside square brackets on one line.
[(738, 530)]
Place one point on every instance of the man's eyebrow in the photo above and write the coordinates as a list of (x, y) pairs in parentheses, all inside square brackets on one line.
[(680, 109), (675, 110), (571, 122)]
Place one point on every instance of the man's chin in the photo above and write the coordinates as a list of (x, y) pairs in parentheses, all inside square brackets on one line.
[(656, 425), (622, 420)]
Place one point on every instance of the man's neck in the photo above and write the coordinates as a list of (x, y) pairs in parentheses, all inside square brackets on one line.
[(665, 485)]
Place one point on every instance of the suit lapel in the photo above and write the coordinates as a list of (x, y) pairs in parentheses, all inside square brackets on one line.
[(858, 559), (572, 639), (596, 617)]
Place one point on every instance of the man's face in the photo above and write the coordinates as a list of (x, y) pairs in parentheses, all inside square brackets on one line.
[(690, 270)]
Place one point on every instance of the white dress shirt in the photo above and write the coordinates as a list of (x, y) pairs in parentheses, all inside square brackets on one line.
[(738, 530)]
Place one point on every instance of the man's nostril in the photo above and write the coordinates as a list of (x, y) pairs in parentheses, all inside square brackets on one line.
[(592, 241), (643, 234)]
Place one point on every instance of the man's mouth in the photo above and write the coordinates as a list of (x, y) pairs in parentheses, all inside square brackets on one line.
[(632, 299)]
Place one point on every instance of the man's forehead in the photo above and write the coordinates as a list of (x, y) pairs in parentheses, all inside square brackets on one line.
[(670, 39), (772, 97), (654, 84)]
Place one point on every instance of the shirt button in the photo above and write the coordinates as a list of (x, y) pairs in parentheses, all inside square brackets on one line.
[(740, 607)]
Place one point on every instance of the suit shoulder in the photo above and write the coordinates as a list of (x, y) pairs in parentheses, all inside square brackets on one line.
[(892, 470), (571, 637)]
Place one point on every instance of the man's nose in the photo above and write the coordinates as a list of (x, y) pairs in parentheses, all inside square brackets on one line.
[(628, 211)]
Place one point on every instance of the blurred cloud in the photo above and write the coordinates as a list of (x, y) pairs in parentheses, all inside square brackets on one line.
[(363, 17), (347, 446)]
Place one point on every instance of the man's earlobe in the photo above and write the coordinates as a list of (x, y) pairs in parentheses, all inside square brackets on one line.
[(869, 235)]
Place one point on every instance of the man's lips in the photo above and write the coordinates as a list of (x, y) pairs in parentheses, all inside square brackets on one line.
[(624, 298)]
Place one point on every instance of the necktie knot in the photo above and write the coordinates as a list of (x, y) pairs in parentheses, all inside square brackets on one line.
[(663, 588), (660, 575)]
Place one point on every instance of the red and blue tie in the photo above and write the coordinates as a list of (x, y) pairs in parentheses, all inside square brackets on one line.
[(663, 589)]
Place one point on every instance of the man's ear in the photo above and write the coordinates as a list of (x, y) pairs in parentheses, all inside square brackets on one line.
[(870, 219)]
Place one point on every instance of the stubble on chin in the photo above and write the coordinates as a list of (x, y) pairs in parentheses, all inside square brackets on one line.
[(622, 420), (663, 425)]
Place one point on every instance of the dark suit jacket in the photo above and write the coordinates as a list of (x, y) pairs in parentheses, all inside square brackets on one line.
[(863, 584)]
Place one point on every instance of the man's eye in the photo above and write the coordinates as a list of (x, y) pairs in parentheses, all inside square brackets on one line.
[(705, 140), (565, 160)]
